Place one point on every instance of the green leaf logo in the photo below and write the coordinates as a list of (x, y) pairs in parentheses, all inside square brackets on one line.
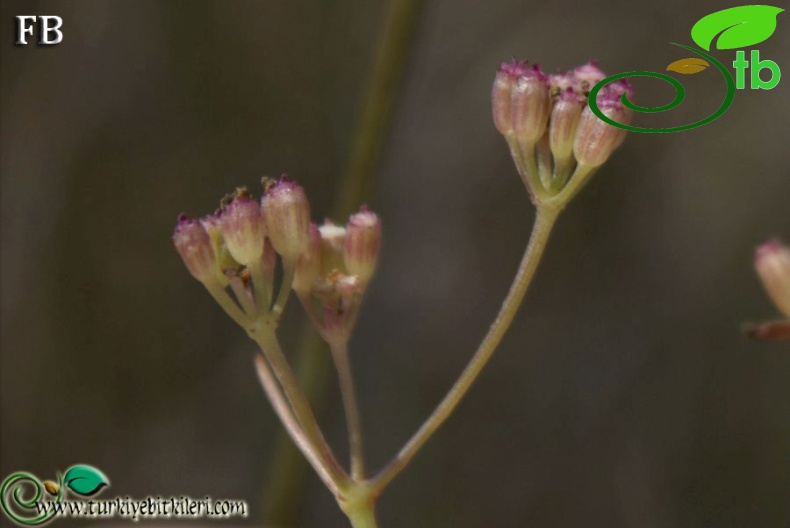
[(739, 27), (85, 480)]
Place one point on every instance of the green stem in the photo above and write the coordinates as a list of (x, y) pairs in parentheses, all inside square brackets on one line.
[(366, 145), (244, 298), (289, 267), (284, 412), (363, 517), (544, 221), (261, 287), (527, 166), (231, 308), (544, 161), (346, 382), (301, 406), (379, 100), (577, 181), (359, 504), (562, 171)]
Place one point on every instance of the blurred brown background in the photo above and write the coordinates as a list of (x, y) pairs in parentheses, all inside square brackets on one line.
[(623, 396)]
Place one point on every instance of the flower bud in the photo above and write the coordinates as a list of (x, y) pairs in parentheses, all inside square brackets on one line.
[(362, 244), (308, 267), (500, 102), (287, 213), (530, 105), (595, 140), (243, 228), (520, 102), (332, 237), (564, 120), (194, 245), (340, 296), (225, 262), (772, 262), (587, 76), (561, 82)]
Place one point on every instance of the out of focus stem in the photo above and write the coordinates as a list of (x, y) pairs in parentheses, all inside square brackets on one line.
[(545, 218), (339, 349), (284, 491)]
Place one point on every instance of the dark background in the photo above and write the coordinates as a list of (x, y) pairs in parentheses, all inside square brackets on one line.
[(624, 394)]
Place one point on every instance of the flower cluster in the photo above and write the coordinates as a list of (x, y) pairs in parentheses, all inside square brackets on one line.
[(553, 135), (772, 262), (332, 275), (238, 245)]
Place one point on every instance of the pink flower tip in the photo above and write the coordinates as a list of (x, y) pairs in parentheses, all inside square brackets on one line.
[(767, 248), (611, 94), (516, 68)]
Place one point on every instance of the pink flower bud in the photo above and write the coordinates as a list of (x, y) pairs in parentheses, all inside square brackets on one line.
[(225, 262), (194, 245), (341, 296), (561, 82), (520, 102), (308, 267), (587, 76), (564, 120), (595, 140), (287, 213), (362, 244), (332, 237), (772, 262), (243, 228), (500, 102)]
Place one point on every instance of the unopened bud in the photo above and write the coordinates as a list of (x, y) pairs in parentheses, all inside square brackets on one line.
[(243, 228), (332, 241), (595, 140), (564, 120), (225, 262), (193, 244), (362, 244), (500, 102), (287, 213), (520, 102), (772, 262), (587, 76), (341, 295), (560, 82), (308, 267)]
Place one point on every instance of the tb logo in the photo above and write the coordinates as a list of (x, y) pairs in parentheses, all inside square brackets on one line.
[(48, 29)]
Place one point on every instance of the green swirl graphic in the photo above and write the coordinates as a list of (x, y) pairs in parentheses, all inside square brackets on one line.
[(680, 94), (11, 488)]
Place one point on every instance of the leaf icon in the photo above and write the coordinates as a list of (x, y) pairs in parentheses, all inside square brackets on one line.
[(85, 480), (740, 27), (688, 66)]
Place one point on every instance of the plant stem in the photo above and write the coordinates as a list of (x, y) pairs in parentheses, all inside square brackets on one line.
[(578, 180), (545, 218), (379, 100), (261, 287), (346, 381), (358, 503), (284, 412), (363, 517), (289, 267), (368, 138), (284, 493), (245, 299), (301, 406), (527, 167), (231, 308)]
